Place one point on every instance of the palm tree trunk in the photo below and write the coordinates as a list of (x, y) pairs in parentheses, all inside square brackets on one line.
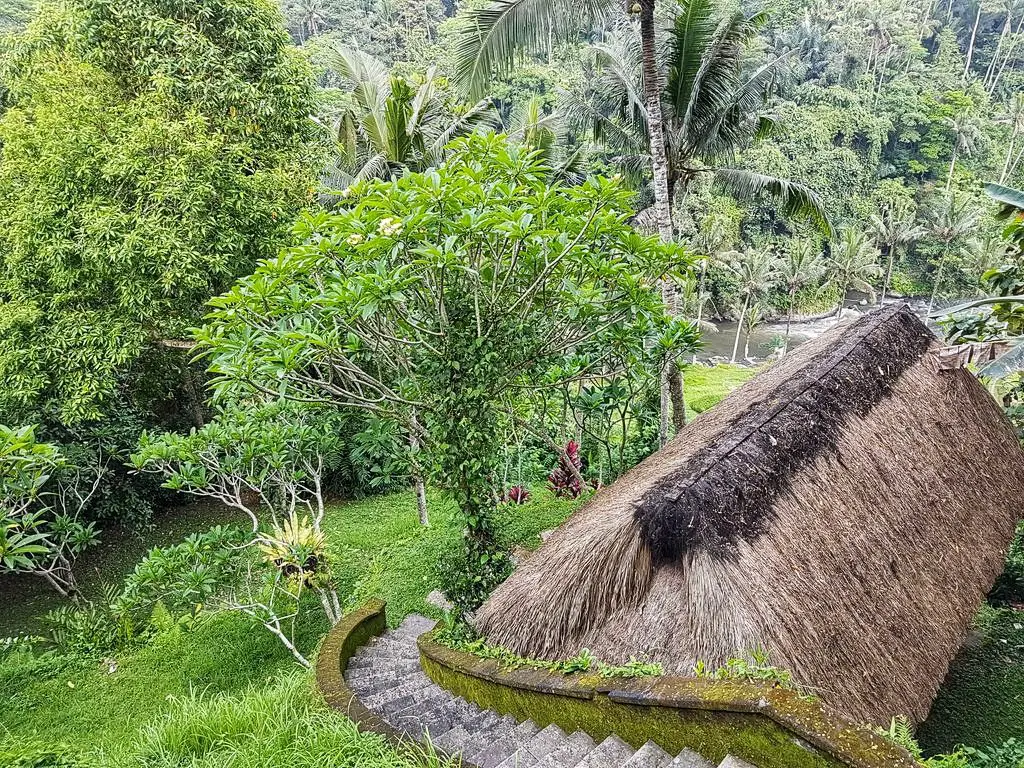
[(789, 319), (888, 271), (938, 279), (1007, 25), (970, 46), (659, 167), (700, 297), (1009, 159), (952, 167), (739, 327), (1008, 57)]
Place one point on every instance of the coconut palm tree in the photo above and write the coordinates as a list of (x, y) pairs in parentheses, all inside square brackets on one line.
[(894, 227), (545, 133), (967, 134), (854, 264), (390, 124), (951, 220), (1014, 117), (757, 272), (492, 36), (751, 321), (712, 107), (802, 267)]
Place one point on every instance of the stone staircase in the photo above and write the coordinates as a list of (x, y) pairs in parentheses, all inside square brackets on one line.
[(385, 674)]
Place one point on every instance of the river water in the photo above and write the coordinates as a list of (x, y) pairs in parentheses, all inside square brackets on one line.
[(719, 344)]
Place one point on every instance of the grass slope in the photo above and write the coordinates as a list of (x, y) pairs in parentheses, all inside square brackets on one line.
[(381, 550)]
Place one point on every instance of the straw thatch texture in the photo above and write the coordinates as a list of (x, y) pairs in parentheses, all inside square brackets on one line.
[(846, 511)]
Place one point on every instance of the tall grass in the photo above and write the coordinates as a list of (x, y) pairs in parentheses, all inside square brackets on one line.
[(275, 726)]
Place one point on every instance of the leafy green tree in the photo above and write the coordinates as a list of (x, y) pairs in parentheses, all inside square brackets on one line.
[(41, 499), (854, 264), (391, 125), (951, 219), (894, 227), (153, 151), (439, 301)]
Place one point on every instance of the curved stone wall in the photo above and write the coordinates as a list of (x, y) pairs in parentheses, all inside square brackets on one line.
[(769, 726)]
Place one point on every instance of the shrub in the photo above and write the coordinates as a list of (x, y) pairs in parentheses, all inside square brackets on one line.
[(517, 494), (467, 584), (185, 575), (564, 479), (1009, 586)]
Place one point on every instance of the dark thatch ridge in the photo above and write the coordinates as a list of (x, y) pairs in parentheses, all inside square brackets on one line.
[(729, 486)]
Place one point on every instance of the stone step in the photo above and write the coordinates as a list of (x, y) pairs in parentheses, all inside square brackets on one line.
[(576, 746), (650, 755), (536, 749), (494, 754), (690, 759), (734, 762), (405, 691), (453, 741), (610, 753)]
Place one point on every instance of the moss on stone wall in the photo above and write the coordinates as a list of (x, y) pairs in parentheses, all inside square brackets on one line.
[(770, 726)]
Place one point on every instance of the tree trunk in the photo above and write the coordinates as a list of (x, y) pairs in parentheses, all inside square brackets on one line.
[(421, 502), (970, 45), (1009, 159), (789, 320), (1009, 55), (678, 394), (938, 279), (991, 70), (421, 488), (952, 167), (888, 271), (739, 328), (700, 298), (659, 168)]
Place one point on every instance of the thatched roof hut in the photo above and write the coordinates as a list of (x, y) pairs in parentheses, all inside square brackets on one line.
[(846, 511)]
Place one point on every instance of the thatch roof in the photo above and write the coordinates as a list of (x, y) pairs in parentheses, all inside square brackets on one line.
[(847, 511)]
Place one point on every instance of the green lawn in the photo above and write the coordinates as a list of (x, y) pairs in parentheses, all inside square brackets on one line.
[(381, 550), (707, 385)]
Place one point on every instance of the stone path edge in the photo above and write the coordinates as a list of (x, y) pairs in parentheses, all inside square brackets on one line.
[(806, 720), (346, 637)]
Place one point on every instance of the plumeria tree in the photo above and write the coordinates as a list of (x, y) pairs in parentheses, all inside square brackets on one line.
[(267, 461), (42, 496), (440, 301)]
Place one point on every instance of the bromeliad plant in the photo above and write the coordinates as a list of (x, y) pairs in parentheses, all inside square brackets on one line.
[(268, 461), (439, 301)]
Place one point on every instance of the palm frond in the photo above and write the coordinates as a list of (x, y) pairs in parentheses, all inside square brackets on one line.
[(491, 37), (794, 199), (689, 39)]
